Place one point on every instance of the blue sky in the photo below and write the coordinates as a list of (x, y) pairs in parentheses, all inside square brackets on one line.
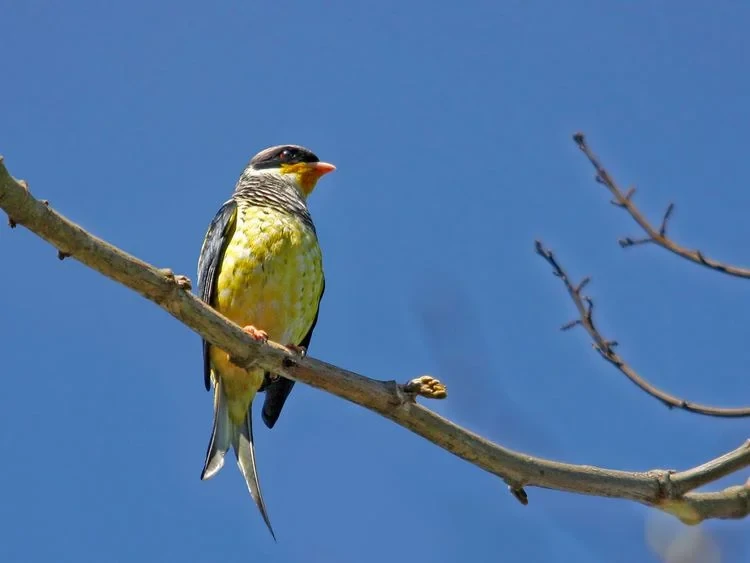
[(450, 126)]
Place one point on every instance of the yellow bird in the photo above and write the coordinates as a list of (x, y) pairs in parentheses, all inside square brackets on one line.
[(261, 266)]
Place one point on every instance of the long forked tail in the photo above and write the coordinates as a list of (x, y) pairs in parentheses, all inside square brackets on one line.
[(240, 437)]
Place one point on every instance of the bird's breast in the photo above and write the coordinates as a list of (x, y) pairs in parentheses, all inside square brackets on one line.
[(272, 275)]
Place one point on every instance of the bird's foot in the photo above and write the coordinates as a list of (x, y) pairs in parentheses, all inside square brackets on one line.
[(255, 333), (296, 349), (426, 386)]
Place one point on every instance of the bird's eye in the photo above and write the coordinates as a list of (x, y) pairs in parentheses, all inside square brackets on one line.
[(285, 155)]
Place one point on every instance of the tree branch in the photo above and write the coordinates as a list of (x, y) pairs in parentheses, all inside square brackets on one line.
[(606, 348), (625, 200), (660, 488)]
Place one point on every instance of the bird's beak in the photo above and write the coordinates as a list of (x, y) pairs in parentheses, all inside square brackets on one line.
[(318, 169)]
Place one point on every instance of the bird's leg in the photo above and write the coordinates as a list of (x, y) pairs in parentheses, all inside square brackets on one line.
[(255, 333)]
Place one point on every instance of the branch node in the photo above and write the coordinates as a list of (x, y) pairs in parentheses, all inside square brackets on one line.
[(623, 200), (425, 386), (666, 486), (183, 282), (61, 255)]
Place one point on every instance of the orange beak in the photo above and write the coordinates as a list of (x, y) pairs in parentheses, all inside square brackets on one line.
[(319, 169)]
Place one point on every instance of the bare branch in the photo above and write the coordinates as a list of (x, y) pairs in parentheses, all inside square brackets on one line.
[(605, 347), (385, 398), (625, 200)]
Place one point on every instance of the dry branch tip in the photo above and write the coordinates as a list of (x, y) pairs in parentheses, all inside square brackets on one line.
[(628, 241), (665, 219), (584, 282), (520, 494), (571, 324)]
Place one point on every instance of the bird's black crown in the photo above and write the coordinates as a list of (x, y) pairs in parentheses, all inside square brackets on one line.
[(274, 157)]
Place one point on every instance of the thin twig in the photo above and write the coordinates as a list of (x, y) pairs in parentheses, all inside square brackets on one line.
[(605, 347), (171, 293), (657, 236), (711, 470)]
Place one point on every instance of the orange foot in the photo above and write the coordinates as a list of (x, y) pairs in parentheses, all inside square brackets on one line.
[(256, 333), (301, 351)]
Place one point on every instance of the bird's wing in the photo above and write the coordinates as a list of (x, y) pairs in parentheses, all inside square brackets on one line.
[(277, 391), (219, 233)]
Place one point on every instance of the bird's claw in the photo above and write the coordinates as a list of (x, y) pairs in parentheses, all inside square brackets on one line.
[(296, 349), (426, 386), (183, 282), (255, 333)]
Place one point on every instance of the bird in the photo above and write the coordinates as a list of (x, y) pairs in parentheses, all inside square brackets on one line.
[(261, 266)]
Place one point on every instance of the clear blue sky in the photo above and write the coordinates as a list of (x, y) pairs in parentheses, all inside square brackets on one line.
[(450, 125)]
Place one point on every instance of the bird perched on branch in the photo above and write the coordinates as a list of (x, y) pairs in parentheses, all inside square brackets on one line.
[(261, 266)]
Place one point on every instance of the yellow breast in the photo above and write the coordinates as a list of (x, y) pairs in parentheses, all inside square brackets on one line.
[(271, 276)]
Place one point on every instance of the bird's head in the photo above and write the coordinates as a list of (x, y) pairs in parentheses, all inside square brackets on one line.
[(294, 164)]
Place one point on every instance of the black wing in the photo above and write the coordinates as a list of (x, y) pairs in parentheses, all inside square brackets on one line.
[(277, 391), (219, 233)]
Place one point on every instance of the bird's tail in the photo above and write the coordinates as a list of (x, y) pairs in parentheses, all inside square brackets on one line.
[(240, 437)]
